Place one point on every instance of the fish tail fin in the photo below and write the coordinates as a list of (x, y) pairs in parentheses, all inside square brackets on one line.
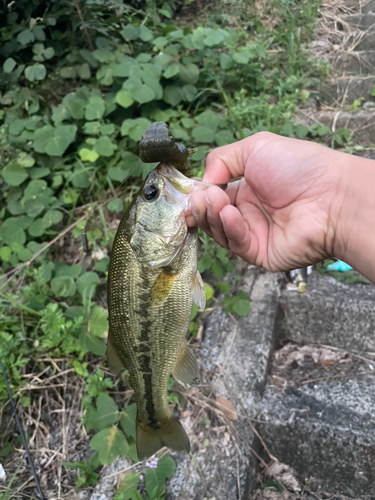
[(170, 434)]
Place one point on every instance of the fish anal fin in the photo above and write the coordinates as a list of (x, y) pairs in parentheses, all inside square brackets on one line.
[(170, 433), (186, 370), (199, 293), (114, 362), (162, 288)]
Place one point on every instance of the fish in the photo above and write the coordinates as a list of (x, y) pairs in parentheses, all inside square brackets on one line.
[(152, 283)]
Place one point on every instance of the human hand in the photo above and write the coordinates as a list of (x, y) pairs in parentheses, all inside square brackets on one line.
[(283, 213)]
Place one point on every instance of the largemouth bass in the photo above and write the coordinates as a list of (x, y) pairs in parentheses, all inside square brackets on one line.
[(153, 281)]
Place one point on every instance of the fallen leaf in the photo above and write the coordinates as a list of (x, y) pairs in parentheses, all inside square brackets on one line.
[(226, 407)]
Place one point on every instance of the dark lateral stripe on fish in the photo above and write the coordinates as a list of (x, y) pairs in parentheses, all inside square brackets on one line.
[(144, 353)]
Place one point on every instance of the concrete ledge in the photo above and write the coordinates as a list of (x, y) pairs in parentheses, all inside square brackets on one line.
[(361, 122), (238, 353), (346, 90), (330, 313)]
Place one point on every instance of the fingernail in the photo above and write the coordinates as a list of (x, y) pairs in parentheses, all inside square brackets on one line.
[(222, 220), (207, 199)]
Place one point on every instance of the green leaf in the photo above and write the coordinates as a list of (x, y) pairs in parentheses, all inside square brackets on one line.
[(33, 207), (88, 342), (98, 321), (12, 232), (242, 57), (88, 155), (142, 94), (172, 95), (52, 217), (68, 73), (155, 478), (25, 37), (160, 41), (108, 129), (54, 141), (213, 38), (14, 174), (35, 72), (116, 205), (104, 146), (189, 74), (92, 128), (189, 92), (63, 286), (95, 108), (48, 53), (144, 34), (128, 486), (172, 70), (86, 284), (373, 91), (109, 443), (124, 99), (203, 134), (209, 291), (130, 32), (226, 61), (17, 127), (223, 137), (25, 160), (128, 417), (37, 228), (9, 65), (106, 413), (39, 33), (84, 71), (241, 305), (5, 253), (301, 131), (134, 128)]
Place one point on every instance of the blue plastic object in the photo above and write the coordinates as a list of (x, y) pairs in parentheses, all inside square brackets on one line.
[(339, 265)]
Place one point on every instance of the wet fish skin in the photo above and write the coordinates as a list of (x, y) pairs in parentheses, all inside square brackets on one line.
[(152, 282)]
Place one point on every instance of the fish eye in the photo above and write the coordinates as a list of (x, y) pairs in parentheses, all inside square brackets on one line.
[(151, 192)]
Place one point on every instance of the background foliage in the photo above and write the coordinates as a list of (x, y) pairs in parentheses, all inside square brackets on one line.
[(79, 83)]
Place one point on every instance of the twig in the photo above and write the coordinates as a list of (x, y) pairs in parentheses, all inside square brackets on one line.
[(87, 34), (20, 430), (14, 272)]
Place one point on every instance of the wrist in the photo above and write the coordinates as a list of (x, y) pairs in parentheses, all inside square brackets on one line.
[(353, 214)]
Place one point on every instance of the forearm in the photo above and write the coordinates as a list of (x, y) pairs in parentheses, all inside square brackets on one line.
[(354, 240)]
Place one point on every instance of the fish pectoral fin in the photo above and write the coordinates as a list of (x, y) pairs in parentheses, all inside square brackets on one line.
[(162, 288), (114, 362), (186, 370), (199, 293), (170, 434)]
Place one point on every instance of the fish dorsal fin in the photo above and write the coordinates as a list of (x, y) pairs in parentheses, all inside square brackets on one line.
[(186, 370), (162, 288), (114, 362), (199, 293)]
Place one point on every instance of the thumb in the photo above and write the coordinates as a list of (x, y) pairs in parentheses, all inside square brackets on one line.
[(228, 162)]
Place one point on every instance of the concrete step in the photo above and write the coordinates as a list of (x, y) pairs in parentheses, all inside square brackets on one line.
[(359, 41), (346, 90), (359, 21), (331, 313), (361, 123), (234, 356), (316, 415), (354, 62), (368, 7)]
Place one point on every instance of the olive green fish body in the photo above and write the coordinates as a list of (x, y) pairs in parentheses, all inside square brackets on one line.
[(152, 283)]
